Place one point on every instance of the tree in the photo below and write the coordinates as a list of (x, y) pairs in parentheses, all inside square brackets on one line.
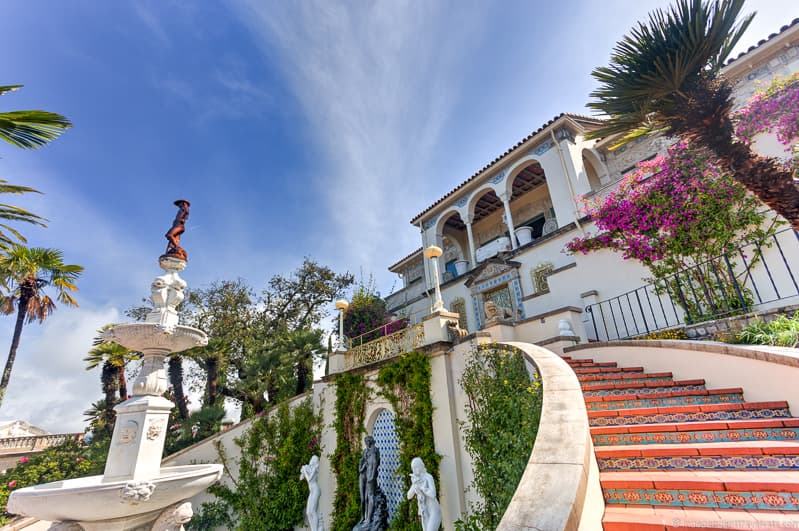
[(366, 313), (114, 359), (9, 235), (26, 272), (685, 219), (30, 129), (663, 77)]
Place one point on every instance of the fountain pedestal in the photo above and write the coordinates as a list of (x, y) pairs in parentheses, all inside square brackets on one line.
[(134, 492)]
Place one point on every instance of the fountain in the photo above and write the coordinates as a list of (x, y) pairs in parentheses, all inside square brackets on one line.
[(135, 492)]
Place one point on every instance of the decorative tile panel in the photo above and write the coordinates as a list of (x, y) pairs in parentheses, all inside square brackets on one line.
[(387, 441), (690, 437), (699, 462), (701, 416), (677, 401), (770, 501)]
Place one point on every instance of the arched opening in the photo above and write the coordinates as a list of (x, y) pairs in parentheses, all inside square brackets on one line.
[(594, 169), (490, 229), (531, 205), (453, 240)]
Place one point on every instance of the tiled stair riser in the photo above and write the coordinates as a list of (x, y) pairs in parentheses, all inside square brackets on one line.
[(587, 383), (643, 390), (724, 462), (676, 401), (699, 416), (683, 437), (763, 500)]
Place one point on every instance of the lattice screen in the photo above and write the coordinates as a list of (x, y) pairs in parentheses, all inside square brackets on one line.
[(386, 440)]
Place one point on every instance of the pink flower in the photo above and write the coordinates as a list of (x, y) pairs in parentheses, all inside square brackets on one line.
[(12, 483), (23, 460)]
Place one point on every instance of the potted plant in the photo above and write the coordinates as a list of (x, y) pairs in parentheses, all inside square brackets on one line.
[(461, 266), (524, 235)]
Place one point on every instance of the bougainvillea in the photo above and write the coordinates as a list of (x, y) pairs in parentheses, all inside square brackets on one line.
[(775, 109), (679, 213)]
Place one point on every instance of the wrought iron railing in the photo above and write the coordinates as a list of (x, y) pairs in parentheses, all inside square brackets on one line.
[(747, 280), (388, 346)]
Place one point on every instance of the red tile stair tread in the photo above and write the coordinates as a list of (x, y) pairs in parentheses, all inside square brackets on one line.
[(727, 480), (705, 449), (618, 518)]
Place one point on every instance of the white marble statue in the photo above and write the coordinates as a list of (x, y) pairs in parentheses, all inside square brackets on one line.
[(310, 473), (423, 486)]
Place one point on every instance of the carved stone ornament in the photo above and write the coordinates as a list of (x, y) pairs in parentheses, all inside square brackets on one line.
[(65, 526), (456, 333), (173, 517), (137, 491), (128, 432), (155, 429), (494, 312)]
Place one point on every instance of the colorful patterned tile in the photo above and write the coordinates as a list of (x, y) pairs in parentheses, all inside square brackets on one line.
[(691, 462), (681, 437), (731, 398), (643, 390), (701, 416)]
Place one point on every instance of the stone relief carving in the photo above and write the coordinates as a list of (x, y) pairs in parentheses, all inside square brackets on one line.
[(173, 517), (456, 333), (129, 432), (155, 429), (137, 491), (495, 312)]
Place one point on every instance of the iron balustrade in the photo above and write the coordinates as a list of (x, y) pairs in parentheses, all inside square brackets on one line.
[(755, 275)]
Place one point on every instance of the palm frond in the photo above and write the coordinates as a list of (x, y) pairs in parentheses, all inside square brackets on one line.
[(9, 88), (32, 129), (659, 60)]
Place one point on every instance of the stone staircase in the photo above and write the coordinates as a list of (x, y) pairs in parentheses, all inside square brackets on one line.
[(673, 454)]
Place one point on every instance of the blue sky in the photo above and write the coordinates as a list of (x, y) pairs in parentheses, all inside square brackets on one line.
[(295, 128)]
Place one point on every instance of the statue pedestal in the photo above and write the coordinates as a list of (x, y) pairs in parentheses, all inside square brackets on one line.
[(138, 440)]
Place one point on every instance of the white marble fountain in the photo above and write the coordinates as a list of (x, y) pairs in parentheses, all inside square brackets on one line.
[(134, 492)]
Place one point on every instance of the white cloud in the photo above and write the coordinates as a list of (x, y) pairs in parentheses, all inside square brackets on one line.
[(49, 386), (377, 82)]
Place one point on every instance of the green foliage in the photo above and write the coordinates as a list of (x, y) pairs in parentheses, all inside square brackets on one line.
[(30, 129), (503, 412), (654, 68), (367, 311), (351, 397), (782, 332), (406, 385), (268, 493), (70, 460)]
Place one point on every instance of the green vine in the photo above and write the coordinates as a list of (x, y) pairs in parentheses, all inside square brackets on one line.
[(351, 397), (406, 385), (267, 493), (503, 411)]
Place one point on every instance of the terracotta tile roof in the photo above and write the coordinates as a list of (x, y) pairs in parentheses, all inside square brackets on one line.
[(761, 42), (398, 262), (578, 117)]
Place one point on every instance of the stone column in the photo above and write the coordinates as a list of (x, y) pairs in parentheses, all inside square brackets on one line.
[(470, 234), (505, 197), (432, 253)]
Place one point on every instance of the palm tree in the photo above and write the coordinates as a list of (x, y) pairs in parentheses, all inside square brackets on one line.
[(113, 359), (25, 272), (30, 129), (664, 77), (8, 234)]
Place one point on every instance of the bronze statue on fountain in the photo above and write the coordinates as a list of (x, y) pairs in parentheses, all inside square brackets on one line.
[(173, 248)]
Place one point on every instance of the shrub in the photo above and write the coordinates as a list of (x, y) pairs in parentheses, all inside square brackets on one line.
[(268, 493), (782, 332), (69, 460), (503, 411)]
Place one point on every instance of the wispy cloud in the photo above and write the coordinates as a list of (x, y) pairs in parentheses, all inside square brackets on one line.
[(377, 82)]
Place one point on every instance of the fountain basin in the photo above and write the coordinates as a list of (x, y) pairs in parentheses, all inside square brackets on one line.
[(154, 337), (90, 499)]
